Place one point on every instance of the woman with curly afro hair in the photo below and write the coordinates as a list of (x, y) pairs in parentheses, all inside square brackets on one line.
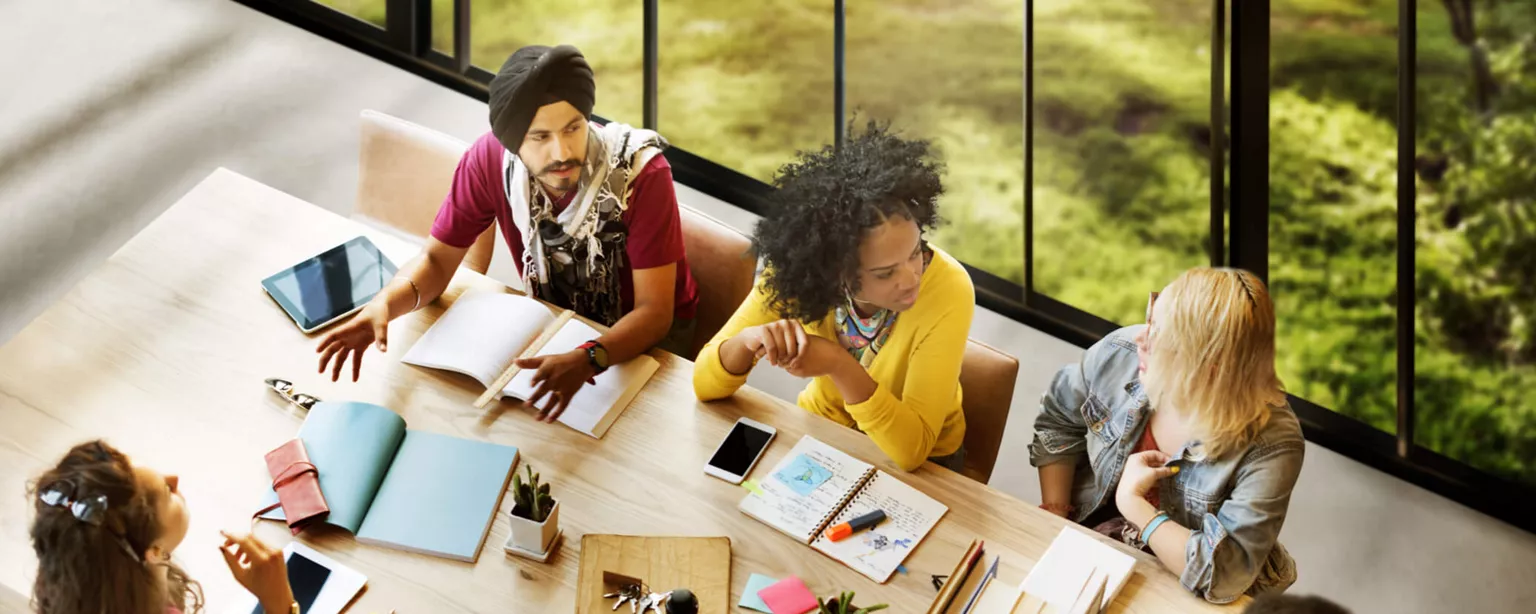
[(854, 298)]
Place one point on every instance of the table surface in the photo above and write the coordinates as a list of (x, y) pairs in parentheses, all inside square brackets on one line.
[(163, 349)]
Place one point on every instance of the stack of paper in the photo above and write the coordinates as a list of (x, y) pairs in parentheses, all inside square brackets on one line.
[(1076, 560)]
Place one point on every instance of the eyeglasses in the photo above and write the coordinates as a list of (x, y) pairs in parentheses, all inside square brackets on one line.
[(91, 510), (1151, 300), (285, 389)]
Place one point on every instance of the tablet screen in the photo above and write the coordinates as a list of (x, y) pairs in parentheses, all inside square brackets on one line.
[(306, 578), (332, 284)]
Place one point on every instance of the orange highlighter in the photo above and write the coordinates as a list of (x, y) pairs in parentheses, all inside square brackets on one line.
[(842, 531)]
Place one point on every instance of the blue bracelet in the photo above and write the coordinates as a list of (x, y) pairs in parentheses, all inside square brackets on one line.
[(1152, 525)]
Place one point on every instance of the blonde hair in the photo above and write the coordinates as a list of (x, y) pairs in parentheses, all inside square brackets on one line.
[(1213, 356)]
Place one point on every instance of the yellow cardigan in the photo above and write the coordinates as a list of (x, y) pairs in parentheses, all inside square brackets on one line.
[(915, 412)]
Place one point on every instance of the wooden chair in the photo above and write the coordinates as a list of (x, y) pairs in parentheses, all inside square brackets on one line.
[(404, 171), (723, 267), (987, 377)]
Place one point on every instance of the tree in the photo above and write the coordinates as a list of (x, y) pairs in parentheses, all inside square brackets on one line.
[(1464, 28)]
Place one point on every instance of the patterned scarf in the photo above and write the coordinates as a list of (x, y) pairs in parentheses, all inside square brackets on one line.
[(863, 337), (573, 259)]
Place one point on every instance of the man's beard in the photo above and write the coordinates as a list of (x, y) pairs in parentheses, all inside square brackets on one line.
[(560, 185)]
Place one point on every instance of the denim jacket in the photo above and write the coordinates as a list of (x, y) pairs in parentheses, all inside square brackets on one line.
[(1234, 506)]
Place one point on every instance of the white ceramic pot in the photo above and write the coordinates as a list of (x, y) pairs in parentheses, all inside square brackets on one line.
[(536, 536)]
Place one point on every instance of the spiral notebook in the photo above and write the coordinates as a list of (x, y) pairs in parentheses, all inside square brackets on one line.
[(817, 486)]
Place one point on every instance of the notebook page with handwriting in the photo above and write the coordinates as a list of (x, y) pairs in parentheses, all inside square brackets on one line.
[(876, 552), (806, 489)]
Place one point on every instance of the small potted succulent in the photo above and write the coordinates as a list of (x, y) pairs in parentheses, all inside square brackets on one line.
[(843, 604), (535, 515)]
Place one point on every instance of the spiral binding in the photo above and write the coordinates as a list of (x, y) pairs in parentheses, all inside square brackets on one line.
[(841, 509)]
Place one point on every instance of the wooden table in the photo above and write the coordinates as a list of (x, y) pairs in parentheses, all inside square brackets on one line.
[(163, 349)]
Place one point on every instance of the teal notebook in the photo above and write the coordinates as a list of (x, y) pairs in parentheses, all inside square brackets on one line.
[(410, 490)]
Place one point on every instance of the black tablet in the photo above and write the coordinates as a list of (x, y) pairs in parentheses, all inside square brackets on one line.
[(305, 579), (332, 285)]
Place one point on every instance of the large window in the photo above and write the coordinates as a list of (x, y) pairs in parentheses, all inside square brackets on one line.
[(746, 84), (1333, 203), (1475, 346), (1121, 149), (1334, 220)]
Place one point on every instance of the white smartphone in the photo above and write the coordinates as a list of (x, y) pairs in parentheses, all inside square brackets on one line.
[(740, 450)]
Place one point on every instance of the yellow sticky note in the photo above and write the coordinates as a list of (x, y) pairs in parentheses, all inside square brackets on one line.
[(752, 486)]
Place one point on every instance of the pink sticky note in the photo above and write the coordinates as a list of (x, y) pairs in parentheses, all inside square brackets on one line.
[(788, 596)]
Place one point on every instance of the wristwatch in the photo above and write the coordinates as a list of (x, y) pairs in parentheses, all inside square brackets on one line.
[(597, 356)]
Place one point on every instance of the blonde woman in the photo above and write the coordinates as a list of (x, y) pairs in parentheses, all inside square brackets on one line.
[(1176, 437)]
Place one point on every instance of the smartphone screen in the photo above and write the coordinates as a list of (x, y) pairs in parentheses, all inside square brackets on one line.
[(740, 448), (306, 578)]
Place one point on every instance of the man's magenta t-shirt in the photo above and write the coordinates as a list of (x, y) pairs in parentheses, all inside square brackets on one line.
[(478, 198)]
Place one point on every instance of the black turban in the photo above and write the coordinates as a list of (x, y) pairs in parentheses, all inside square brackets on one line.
[(533, 77)]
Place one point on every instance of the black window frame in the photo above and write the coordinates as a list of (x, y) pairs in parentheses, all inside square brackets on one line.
[(1241, 241)]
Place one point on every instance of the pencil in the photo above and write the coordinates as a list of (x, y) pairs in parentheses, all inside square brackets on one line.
[(957, 578)]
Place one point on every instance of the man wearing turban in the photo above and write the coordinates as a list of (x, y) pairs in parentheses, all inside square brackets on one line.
[(587, 210)]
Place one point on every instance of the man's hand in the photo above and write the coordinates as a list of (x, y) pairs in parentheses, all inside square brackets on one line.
[(352, 338), (818, 356), (558, 376), (1142, 472), (260, 569)]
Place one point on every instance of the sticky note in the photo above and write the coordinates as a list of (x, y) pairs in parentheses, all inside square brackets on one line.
[(803, 475), (749, 598), (788, 596), (752, 486)]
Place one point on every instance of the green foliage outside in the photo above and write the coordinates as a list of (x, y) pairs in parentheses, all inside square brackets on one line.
[(1333, 226), (1476, 262), (1122, 174), (371, 11), (1121, 161)]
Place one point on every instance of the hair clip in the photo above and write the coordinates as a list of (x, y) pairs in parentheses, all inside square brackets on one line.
[(284, 388), (88, 510)]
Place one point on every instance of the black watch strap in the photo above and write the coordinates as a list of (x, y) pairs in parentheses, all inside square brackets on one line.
[(597, 356)]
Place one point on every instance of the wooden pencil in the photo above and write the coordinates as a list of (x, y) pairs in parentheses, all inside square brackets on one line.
[(957, 577)]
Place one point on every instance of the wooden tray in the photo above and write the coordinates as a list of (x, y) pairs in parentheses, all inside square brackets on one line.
[(699, 564)]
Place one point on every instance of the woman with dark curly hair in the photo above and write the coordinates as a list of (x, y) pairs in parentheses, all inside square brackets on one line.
[(104, 530), (854, 298)]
